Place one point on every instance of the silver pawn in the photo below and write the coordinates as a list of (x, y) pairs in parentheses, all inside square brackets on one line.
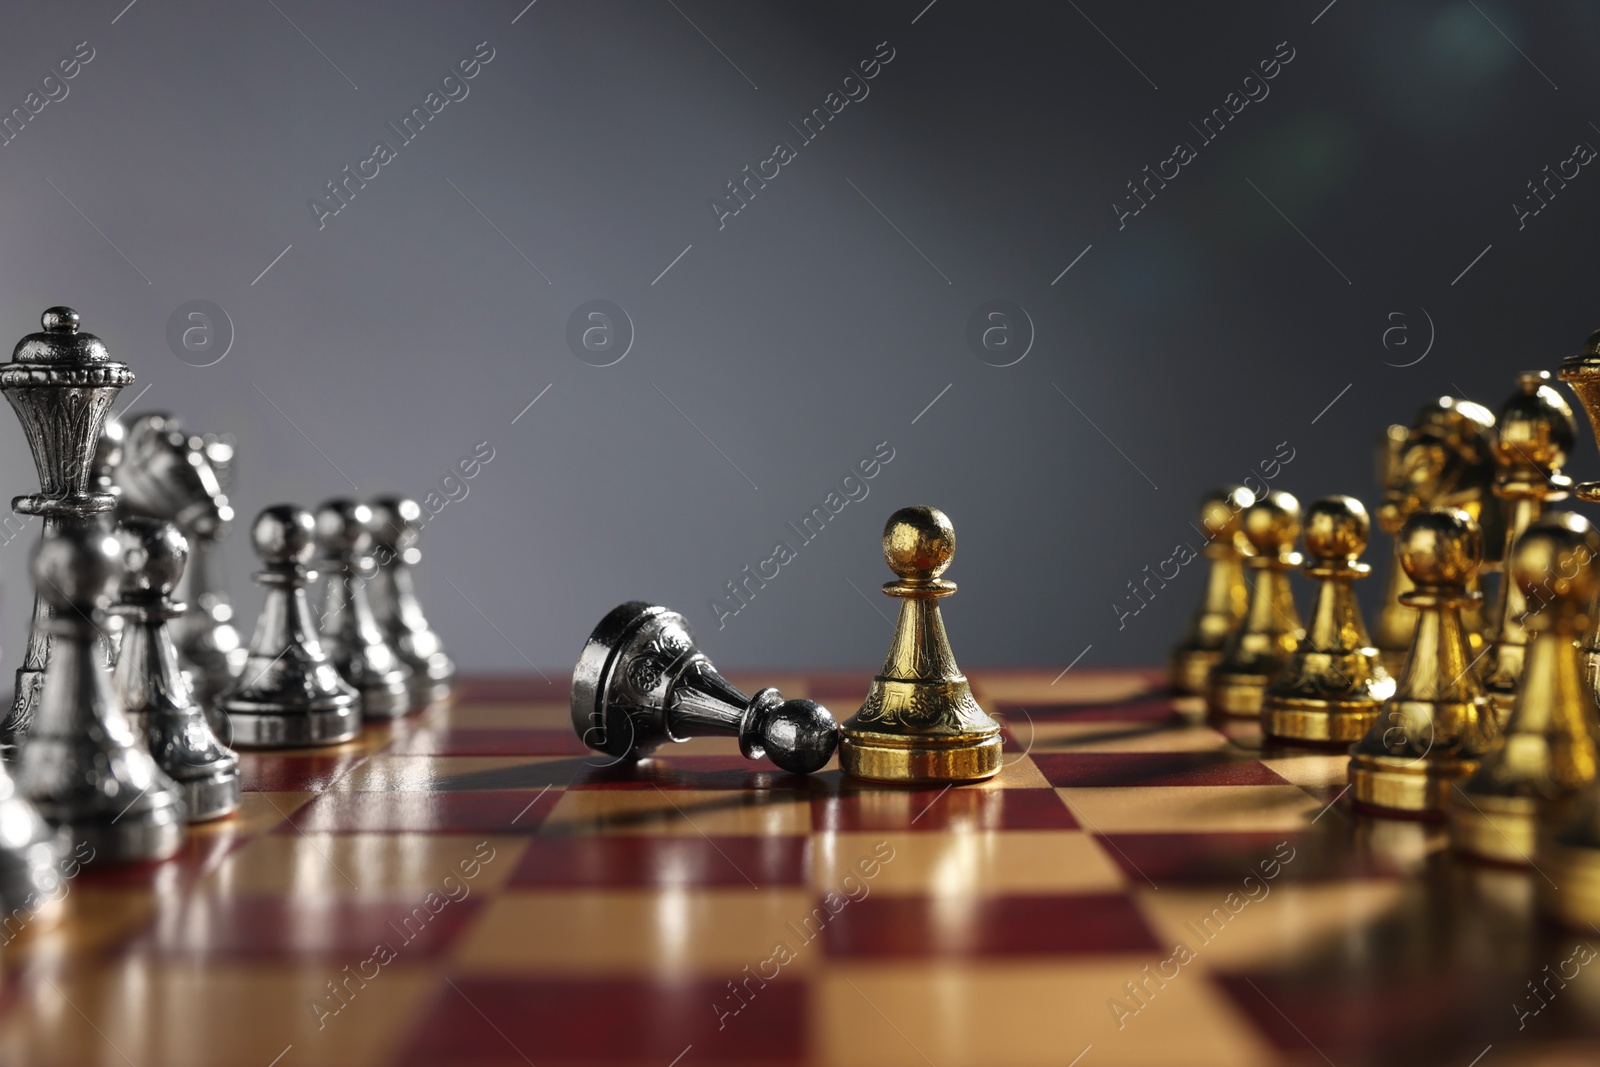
[(155, 693), (641, 682), (83, 767), (289, 695), (398, 524), (167, 473), (350, 632)]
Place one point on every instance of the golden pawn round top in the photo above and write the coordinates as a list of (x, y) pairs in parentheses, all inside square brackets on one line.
[(1271, 526), (1220, 510), (1336, 532), (1440, 550), (918, 544), (1553, 565), (1464, 426), (1535, 427)]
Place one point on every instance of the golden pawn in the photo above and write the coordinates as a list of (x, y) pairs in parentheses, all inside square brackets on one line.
[(919, 722), (1335, 682), (1536, 431), (1441, 461), (1582, 375), (1549, 746), (1395, 622), (1223, 608), (1262, 645), (1438, 724)]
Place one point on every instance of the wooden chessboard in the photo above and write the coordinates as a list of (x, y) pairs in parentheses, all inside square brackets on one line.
[(537, 907)]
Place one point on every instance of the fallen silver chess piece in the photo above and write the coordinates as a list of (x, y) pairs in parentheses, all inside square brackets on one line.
[(641, 682)]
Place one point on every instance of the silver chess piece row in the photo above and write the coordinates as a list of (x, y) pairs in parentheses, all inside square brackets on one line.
[(397, 528), (120, 760), (135, 682), (159, 470), (371, 655), (289, 694), (157, 697), (112, 765), (61, 382)]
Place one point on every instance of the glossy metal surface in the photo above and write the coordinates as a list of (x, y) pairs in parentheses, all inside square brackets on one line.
[(30, 850), (920, 722), (83, 766), (108, 456), (1222, 609), (289, 694), (1535, 434), (167, 473), (1443, 460), (1582, 375), (640, 682), (397, 528), (1271, 630), (154, 691), (1549, 747), (1335, 681), (61, 383), (1438, 724), (355, 644)]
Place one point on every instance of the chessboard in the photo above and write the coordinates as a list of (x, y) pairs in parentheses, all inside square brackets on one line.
[(469, 886)]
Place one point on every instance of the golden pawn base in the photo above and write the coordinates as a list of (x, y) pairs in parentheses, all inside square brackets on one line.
[(1499, 829), (1191, 667), (1236, 696), (919, 733), (1318, 722), (909, 760), (1419, 788)]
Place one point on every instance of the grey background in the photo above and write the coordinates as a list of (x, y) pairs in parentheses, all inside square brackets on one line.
[(825, 317)]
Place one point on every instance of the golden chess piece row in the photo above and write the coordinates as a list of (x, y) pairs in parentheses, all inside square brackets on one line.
[(1489, 721), (1438, 723), (1333, 683), (1568, 849), (1267, 635)]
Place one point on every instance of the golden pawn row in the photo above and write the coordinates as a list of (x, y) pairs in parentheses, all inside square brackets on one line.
[(1493, 722), (1568, 847)]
